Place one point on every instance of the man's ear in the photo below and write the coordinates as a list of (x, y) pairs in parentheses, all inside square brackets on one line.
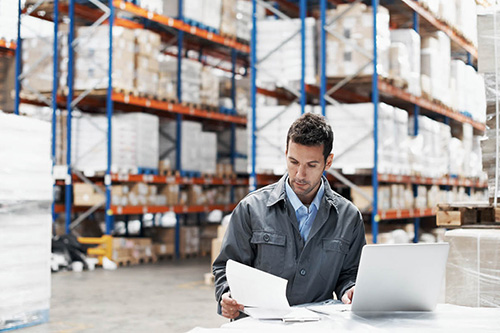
[(329, 161)]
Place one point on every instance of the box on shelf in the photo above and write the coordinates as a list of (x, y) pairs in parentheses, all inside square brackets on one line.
[(86, 195), (228, 24), (411, 39)]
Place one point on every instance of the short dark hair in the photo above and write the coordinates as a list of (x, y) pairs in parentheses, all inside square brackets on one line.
[(311, 130)]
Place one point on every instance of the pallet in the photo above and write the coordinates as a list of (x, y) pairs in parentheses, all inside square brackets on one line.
[(470, 214), (210, 108), (191, 105), (125, 261), (147, 259), (165, 257), (189, 255)]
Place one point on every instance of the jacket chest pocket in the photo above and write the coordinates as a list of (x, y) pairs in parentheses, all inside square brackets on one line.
[(270, 255), (332, 258)]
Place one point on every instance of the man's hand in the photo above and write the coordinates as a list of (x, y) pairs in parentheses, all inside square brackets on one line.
[(230, 308), (347, 297)]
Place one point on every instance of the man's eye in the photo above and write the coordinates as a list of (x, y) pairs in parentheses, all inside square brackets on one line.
[(312, 165), (295, 162)]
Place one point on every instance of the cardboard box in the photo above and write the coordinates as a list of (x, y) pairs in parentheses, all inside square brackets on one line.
[(86, 195)]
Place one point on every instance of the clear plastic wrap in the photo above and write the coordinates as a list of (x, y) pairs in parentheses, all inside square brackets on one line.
[(473, 267), (25, 221)]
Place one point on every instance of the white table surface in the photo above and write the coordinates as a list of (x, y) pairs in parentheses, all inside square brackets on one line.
[(446, 318)]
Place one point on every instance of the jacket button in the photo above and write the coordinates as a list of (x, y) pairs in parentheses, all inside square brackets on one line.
[(303, 272), (266, 238)]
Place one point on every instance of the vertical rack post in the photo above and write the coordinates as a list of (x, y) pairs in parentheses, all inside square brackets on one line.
[(68, 180), (233, 125), (178, 163), (416, 112), (375, 100), (322, 57), (253, 92), (303, 8), (18, 60), (109, 114), (55, 64)]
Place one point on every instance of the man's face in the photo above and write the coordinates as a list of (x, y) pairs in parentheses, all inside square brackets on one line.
[(305, 166)]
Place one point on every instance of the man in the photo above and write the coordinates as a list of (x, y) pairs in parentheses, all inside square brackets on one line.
[(298, 228)]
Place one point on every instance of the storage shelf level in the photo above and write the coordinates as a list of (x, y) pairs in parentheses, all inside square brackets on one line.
[(139, 210), (180, 25), (454, 35), (417, 180)]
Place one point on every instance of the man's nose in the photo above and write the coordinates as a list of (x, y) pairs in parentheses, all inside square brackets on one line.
[(301, 171)]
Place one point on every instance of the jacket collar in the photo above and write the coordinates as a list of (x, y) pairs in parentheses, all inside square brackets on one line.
[(279, 192)]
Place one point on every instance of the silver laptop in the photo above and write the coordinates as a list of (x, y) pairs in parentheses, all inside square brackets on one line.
[(400, 277)]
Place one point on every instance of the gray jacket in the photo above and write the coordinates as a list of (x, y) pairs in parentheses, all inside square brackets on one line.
[(264, 233)]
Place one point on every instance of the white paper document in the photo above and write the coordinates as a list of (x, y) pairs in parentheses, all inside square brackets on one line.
[(263, 294)]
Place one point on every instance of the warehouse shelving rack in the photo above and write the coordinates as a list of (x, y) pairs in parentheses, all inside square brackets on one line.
[(97, 13), (339, 91)]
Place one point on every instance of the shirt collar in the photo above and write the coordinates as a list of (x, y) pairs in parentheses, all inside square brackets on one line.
[(295, 201)]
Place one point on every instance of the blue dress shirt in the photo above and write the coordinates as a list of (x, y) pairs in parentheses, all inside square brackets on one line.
[(305, 216)]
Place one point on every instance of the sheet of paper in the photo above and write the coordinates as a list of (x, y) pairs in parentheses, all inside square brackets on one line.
[(263, 294), (330, 309), (255, 288)]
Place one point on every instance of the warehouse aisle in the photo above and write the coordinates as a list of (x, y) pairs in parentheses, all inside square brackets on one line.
[(163, 297)]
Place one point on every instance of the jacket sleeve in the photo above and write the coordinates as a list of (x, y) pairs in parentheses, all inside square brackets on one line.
[(347, 277), (235, 245)]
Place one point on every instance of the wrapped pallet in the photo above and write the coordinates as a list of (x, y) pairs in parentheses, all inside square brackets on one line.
[(92, 59), (354, 31), (488, 33), (190, 76), (473, 270), (209, 93), (134, 142), (284, 65), (25, 221), (228, 24), (411, 39), (147, 67), (7, 81)]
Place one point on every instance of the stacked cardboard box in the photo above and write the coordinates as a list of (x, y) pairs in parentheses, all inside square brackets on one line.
[(8, 20), (217, 242), (167, 89), (25, 221), (228, 24), (92, 59), (147, 67), (399, 196), (354, 31), (209, 94), (472, 270), (243, 103), (132, 250), (190, 76), (285, 65), (38, 63), (207, 235)]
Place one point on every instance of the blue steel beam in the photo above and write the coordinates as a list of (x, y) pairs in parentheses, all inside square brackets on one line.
[(68, 181), (55, 65), (416, 112), (253, 92), (18, 59), (109, 114), (233, 125), (303, 10), (375, 100), (322, 57), (180, 46)]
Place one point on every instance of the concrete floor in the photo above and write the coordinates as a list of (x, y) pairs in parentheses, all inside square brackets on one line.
[(168, 296)]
